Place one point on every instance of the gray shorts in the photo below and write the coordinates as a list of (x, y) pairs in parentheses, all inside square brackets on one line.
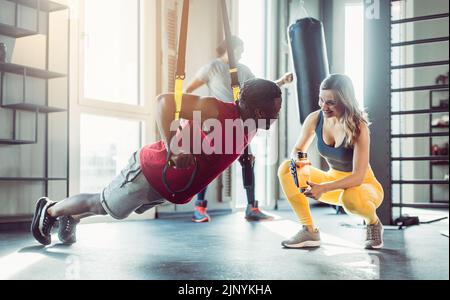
[(130, 192)]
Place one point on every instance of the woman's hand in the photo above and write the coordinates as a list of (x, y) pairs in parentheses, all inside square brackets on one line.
[(315, 191)]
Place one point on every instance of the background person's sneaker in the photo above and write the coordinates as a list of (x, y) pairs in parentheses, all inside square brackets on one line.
[(67, 230), (254, 214), (43, 222), (303, 239), (200, 214), (375, 236)]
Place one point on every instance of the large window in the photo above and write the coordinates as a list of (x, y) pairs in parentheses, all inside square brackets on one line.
[(112, 117), (354, 47), (111, 51), (106, 145), (252, 30)]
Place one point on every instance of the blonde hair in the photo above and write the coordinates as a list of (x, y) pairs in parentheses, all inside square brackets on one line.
[(354, 116)]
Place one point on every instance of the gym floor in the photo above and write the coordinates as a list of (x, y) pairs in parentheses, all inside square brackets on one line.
[(228, 249)]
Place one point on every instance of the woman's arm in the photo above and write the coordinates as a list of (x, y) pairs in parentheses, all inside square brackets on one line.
[(307, 136)]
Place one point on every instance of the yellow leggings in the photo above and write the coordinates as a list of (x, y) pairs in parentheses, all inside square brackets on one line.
[(362, 201)]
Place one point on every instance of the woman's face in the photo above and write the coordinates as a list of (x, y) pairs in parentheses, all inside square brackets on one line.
[(331, 107)]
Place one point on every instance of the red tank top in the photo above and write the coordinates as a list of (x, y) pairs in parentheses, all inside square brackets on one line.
[(210, 166)]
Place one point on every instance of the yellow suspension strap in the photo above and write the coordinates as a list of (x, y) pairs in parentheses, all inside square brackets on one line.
[(180, 76), (235, 85), (246, 160)]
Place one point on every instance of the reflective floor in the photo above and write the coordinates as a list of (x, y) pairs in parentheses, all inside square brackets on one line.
[(229, 248)]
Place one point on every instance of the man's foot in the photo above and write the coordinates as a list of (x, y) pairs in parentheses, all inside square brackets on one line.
[(303, 239), (254, 214), (67, 231), (375, 236), (43, 222), (200, 214)]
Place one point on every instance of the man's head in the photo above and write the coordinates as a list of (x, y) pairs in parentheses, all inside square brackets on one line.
[(236, 43), (260, 100)]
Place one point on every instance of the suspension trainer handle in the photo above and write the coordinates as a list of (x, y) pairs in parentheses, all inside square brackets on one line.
[(170, 164)]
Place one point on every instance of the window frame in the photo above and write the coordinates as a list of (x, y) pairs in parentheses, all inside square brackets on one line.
[(150, 70), (143, 106)]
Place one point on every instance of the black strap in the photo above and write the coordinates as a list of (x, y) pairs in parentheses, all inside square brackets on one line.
[(235, 85), (180, 76), (182, 44)]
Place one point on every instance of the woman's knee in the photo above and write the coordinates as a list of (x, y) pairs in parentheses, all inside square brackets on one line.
[(351, 199), (284, 169)]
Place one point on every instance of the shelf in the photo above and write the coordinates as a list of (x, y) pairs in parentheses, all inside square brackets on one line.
[(45, 5), (440, 90), (419, 135), (15, 219), (423, 182), (421, 65), (31, 179), (418, 42), (16, 142), (421, 158), (440, 163), (34, 108), (421, 205), (32, 72), (421, 18), (434, 110), (15, 32), (439, 87), (440, 126)]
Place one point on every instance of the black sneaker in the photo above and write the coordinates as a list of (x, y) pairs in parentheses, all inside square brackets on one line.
[(43, 222), (254, 214), (67, 230)]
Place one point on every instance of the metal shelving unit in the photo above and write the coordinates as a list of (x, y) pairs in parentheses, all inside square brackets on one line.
[(441, 162), (43, 5), (431, 111), (15, 31), (29, 71)]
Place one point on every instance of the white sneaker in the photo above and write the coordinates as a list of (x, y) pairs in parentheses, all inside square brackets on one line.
[(303, 239)]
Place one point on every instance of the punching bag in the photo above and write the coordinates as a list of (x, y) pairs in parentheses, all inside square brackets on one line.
[(310, 60)]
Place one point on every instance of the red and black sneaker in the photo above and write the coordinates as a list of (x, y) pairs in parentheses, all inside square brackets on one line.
[(254, 214), (200, 214), (43, 222)]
